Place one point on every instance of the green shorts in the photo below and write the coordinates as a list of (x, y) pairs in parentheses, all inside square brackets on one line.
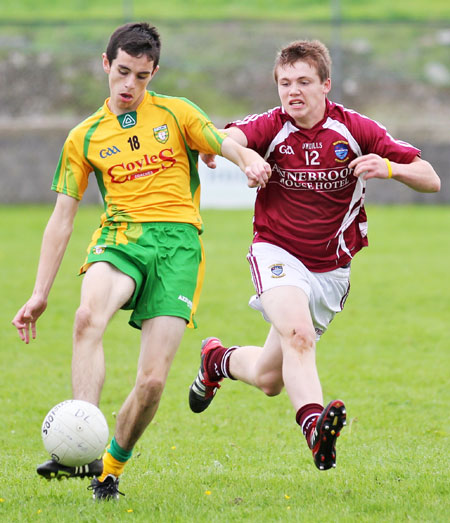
[(166, 261)]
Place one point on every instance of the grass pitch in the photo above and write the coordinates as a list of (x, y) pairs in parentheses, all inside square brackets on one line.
[(244, 459)]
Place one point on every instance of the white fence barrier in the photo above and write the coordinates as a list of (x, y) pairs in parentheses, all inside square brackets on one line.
[(224, 187)]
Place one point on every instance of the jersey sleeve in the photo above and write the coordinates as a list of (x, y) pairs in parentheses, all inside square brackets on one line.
[(259, 130), (72, 172), (376, 139), (200, 133)]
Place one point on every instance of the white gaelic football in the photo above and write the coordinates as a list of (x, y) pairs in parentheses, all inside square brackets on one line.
[(74, 433)]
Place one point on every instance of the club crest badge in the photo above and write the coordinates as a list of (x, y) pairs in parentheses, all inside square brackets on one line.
[(277, 270), (161, 133), (98, 249), (341, 150)]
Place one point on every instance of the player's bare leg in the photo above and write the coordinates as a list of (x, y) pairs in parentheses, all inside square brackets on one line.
[(161, 337), (288, 358), (288, 310), (260, 366), (288, 355), (104, 290)]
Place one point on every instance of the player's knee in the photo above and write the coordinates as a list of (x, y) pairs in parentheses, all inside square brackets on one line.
[(149, 389), (85, 321), (302, 339), (272, 389), (271, 385)]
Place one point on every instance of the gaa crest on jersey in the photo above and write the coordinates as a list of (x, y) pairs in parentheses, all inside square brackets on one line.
[(98, 249), (277, 270), (161, 133), (127, 120), (341, 150)]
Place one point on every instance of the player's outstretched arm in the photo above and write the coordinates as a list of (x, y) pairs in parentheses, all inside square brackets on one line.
[(233, 132), (419, 174), (56, 237), (256, 169)]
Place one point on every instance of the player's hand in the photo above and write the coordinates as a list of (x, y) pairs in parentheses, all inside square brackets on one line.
[(258, 173), (370, 166), (209, 160), (26, 318)]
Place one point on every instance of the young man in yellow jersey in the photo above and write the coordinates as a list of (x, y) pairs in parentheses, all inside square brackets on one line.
[(146, 255)]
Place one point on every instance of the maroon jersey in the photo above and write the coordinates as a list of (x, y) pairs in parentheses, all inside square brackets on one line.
[(313, 206)]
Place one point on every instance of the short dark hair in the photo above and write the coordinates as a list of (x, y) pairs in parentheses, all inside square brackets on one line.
[(136, 39), (313, 52)]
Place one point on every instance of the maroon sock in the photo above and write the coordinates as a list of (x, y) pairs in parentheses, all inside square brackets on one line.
[(217, 363), (306, 416)]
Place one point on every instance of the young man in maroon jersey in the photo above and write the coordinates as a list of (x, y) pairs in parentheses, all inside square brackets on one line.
[(309, 223)]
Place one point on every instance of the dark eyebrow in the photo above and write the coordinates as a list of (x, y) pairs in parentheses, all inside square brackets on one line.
[(128, 69)]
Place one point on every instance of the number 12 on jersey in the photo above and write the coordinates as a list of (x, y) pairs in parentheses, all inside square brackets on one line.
[(312, 158)]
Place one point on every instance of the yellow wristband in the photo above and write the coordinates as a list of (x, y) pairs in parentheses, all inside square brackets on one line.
[(389, 166)]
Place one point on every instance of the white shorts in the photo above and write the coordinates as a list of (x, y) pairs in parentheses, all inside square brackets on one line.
[(272, 266)]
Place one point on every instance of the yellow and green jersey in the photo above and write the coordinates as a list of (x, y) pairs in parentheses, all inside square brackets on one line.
[(145, 161)]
